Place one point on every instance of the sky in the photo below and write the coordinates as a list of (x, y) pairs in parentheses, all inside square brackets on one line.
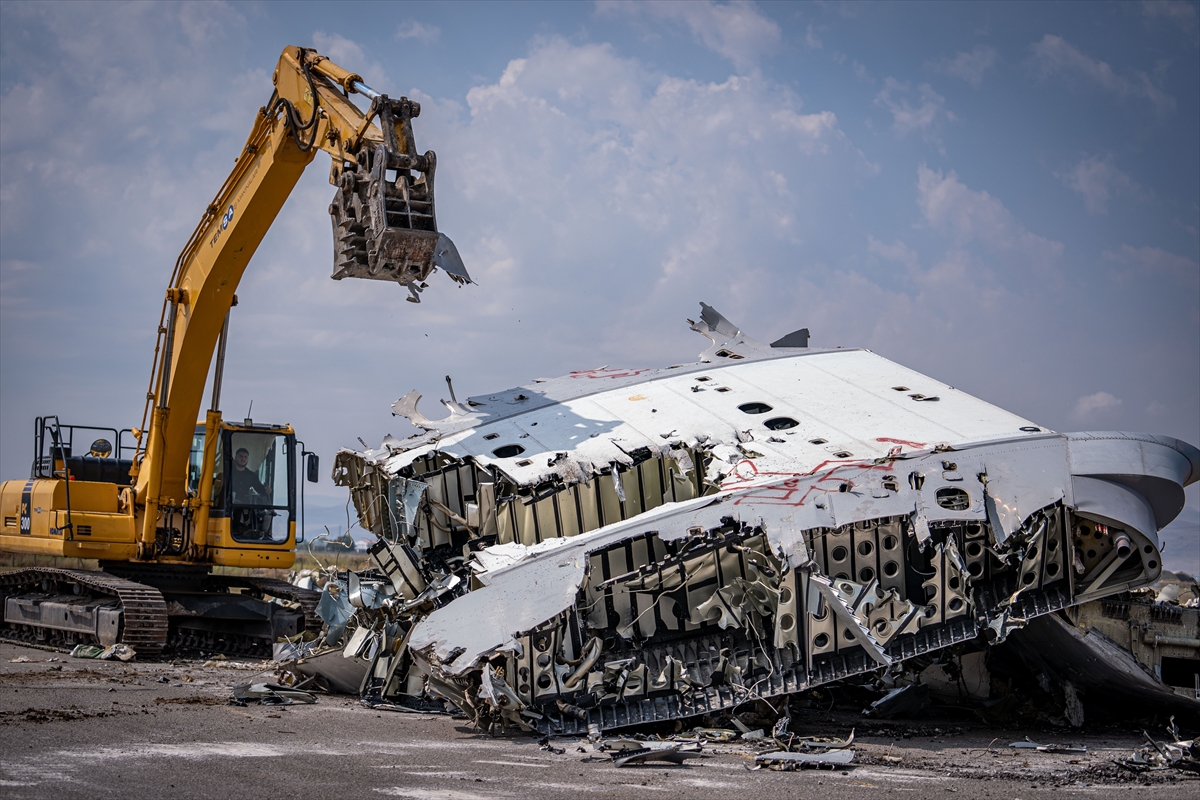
[(1003, 196)]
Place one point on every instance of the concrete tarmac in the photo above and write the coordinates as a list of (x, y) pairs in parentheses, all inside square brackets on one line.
[(75, 728)]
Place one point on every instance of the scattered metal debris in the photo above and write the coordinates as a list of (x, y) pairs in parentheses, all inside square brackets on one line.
[(672, 752), (1160, 755), (1029, 744), (271, 694), (620, 547)]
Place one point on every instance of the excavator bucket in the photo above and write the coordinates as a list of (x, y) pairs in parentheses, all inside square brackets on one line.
[(384, 226)]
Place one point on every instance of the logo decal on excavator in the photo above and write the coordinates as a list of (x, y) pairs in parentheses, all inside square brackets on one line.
[(225, 220)]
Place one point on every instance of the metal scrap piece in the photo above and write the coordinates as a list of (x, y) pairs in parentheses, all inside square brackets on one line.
[(1029, 744), (673, 753)]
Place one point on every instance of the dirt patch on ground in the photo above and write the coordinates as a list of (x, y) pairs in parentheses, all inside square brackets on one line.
[(69, 713)]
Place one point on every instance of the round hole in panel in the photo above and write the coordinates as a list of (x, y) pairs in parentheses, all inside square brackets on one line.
[(1032, 554), (839, 553), (848, 635), (953, 582), (1052, 568), (1051, 545), (974, 549), (976, 569), (1091, 553), (544, 681), (820, 640), (785, 596), (889, 542), (1152, 564), (543, 660), (891, 568), (1028, 578), (780, 423), (786, 622), (508, 451), (955, 604), (1148, 549), (865, 548), (754, 408), (865, 574)]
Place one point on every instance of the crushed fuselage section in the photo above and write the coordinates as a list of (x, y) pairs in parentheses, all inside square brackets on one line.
[(618, 547)]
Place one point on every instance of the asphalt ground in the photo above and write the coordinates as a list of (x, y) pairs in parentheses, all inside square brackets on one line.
[(94, 729)]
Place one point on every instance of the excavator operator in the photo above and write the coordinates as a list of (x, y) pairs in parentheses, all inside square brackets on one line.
[(247, 488)]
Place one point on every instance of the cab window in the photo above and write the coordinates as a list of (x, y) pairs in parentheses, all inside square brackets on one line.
[(258, 476)]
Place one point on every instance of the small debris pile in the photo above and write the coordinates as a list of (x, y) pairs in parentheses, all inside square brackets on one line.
[(1158, 755)]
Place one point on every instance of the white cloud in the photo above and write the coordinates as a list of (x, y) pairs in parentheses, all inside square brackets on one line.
[(738, 30), (811, 39), (1096, 407), (1054, 56), (1148, 262), (925, 117), (896, 251), (1097, 180), (343, 51), (969, 67), (1180, 12), (969, 215), (419, 31)]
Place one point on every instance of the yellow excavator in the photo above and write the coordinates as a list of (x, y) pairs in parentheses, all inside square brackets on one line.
[(161, 504)]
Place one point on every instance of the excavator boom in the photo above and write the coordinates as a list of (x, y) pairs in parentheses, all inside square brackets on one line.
[(384, 228)]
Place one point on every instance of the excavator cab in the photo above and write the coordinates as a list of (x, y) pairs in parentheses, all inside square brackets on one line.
[(253, 485)]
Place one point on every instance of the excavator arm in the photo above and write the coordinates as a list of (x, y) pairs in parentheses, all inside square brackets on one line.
[(384, 229)]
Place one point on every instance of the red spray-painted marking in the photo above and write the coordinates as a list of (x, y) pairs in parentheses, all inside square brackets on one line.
[(914, 445), (788, 491)]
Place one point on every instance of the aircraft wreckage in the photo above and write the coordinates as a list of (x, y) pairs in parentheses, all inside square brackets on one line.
[(617, 547)]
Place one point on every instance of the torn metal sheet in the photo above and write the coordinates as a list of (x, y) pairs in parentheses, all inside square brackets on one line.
[(671, 753), (1133, 652), (618, 547), (271, 694)]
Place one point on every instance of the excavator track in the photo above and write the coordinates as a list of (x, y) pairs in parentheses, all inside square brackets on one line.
[(143, 612)]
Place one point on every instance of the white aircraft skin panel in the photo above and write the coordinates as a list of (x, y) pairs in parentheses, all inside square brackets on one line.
[(845, 398)]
